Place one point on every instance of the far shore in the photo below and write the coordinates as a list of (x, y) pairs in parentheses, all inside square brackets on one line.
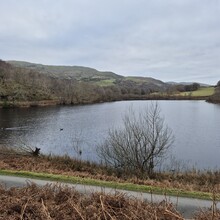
[(41, 103)]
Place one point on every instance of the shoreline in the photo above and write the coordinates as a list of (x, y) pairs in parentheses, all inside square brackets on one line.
[(67, 169), (42, 103)]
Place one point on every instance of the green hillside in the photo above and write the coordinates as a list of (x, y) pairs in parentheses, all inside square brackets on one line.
[(203, 91), (86, 74), (34, 83), (67, 72)]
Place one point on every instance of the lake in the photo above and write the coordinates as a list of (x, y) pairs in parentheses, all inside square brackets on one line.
[(56, 129)]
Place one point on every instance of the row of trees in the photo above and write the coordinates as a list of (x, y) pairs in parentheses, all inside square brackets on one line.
[(22, 84), (27, 85), (183, 88)]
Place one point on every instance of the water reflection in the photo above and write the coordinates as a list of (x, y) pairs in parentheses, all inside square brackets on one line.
[(196, 126)]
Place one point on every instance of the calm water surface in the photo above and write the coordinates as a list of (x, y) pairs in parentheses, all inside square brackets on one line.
[(195, 124)]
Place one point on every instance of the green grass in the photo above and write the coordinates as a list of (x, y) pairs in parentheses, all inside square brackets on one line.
[(136, 79), (114, 185), (105, 82), (203, 91)]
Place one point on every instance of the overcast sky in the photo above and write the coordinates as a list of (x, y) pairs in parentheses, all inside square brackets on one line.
[(171, 40)]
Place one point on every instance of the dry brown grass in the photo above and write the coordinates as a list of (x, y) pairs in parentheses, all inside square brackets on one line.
[(190, 181), (207, 215), (56, 202)]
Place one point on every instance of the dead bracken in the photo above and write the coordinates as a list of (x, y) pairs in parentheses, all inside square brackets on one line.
[(203, 181), (58, 202)]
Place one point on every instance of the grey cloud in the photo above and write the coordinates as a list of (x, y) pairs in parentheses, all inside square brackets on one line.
[(162, 39)]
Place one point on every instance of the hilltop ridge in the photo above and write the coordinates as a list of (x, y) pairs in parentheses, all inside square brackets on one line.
[(29, 84), (80, 73)]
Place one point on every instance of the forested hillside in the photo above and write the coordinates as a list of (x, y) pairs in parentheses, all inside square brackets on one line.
[(21, 81), (30, 84)]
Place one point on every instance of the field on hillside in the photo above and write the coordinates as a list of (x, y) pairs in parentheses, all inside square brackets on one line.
[(203, 91), (106, 82)]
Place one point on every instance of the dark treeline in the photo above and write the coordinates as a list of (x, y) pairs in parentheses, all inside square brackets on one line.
[(21, 84), (183, 88), (216, 97)]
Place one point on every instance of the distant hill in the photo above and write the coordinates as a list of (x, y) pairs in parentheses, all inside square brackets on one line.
[(188, 83), (30, 84), (139, 79), (33, 83), (86, 74), (67, 72)]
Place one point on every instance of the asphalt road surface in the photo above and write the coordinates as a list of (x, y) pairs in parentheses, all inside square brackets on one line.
[(186, 206)]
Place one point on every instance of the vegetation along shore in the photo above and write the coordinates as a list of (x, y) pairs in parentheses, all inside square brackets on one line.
[(191, 183), (25, 84), (58, 202)]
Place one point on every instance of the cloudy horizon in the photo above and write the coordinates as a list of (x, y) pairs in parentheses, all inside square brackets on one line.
[(168, 40)]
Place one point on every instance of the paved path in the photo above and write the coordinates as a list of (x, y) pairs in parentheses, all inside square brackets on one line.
[(186, 206)]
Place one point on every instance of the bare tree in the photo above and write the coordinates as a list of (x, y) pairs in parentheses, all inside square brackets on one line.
[(140, 145)]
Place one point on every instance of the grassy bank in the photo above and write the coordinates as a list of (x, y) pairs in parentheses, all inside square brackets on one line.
[(201, 92), (109, 184), (188, 184), (26, 104)]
